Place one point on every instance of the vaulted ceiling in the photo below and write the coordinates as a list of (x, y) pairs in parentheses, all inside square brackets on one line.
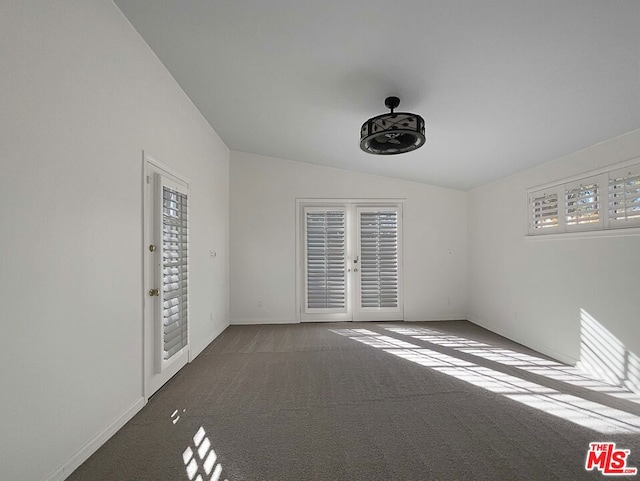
[(502, 85)]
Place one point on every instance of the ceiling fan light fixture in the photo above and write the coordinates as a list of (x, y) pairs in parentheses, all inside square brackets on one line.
[(392, 133)]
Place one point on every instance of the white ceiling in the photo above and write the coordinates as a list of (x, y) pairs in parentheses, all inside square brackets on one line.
[(502, 84)]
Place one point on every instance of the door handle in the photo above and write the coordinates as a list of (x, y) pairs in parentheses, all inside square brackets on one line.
[(355, 269), (154, 292)]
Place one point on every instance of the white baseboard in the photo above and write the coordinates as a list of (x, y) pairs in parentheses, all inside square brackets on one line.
[(64, 471), (256, 321), (94, 444), (196, 350), (444, 318), (259, 320), (541, 348)]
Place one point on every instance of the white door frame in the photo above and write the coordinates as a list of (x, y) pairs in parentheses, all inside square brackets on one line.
[(351, 221), (151, 381)]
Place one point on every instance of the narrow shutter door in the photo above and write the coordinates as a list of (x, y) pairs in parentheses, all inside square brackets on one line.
[(325, 259), (378, 259), (174, 312), (624, 197)]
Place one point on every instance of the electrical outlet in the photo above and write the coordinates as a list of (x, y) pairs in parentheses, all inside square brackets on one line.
[(260, 303)]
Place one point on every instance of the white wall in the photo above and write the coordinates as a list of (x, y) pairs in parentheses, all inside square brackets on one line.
[(263, 209), (532, 289), (82, 96)]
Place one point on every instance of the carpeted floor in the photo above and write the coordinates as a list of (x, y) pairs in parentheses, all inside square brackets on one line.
[(369, 401)]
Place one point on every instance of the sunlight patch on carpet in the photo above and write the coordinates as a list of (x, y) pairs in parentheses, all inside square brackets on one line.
[(200, 459), (576, 376), (588, 414)]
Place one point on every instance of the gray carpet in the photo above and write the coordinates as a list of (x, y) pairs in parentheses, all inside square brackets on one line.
[(325, 402)]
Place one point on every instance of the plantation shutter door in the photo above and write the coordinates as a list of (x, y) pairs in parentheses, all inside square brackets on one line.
[(624, 197), (325, 260), (173, 271), (379, 273)]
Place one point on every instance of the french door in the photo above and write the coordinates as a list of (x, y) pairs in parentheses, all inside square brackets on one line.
[(351, 262), (166, 329)]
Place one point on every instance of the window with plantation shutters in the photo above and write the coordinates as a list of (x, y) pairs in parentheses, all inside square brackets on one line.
[(378, 259), (606, 199), (173, 298), (544, 212), (325, 259), (624, 197), (582, 203)]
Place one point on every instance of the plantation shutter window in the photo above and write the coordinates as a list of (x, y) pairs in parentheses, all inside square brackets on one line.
[(624, 197), (582, 204), (325, 259), (378, 259), (545, 212), (173, 273), (605, 199)]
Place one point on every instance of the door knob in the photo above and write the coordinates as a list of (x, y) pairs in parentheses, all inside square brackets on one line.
[(355, 269), (154, 292)]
